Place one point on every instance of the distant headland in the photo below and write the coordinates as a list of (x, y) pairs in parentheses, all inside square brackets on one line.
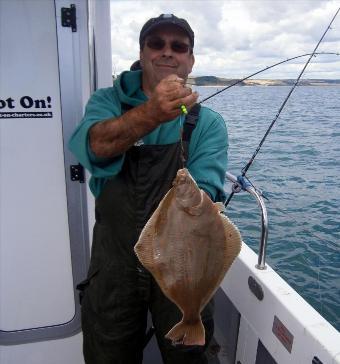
[(218, 81)]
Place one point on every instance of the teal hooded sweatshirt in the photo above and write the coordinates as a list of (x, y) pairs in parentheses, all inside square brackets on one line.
[(207, 161)]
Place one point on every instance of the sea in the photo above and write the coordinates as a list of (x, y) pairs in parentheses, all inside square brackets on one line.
[(298, 170)]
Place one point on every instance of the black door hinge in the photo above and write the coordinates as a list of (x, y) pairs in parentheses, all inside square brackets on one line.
[(68, 17), (77, 173)]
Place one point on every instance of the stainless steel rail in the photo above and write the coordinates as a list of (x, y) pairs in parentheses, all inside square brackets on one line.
[(261, 262)]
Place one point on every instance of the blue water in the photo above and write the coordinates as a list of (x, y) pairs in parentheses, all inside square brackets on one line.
[(298, 169)]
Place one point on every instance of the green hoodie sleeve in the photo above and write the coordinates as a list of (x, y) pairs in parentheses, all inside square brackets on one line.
[(208, 153), (102, 105), (207, 160)]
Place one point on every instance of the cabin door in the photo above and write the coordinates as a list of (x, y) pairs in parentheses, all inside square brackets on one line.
[(43, 220)]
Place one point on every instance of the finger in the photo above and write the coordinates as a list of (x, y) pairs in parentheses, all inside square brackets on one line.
[(168, 88), (175, 82), (174, 77), (189, 100), (178, 94), (179, 103), (173, 86), (172, 111), (178, 80)]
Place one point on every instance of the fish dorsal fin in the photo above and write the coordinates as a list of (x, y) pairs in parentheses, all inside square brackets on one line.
[(146, 248), (161, 212), (233, 238), (142, 248)]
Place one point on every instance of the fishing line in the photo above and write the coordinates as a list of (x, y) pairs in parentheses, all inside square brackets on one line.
[(251, 160), (317, 266), (181, 122), (263, 70), (291, 215)]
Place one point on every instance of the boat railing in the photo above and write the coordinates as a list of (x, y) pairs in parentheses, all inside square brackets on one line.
[(261, 262)]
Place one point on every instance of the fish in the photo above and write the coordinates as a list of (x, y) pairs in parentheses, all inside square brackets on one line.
[(188, 245)]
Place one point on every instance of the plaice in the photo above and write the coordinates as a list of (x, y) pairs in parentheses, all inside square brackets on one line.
[(188, 245)]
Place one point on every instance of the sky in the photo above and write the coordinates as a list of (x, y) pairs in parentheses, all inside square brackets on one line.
[(236, 38)]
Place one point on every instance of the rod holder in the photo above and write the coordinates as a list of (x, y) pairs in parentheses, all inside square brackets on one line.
[(261, 261)]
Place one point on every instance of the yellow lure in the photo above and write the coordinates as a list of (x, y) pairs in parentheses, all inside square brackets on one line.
[(184, 109)]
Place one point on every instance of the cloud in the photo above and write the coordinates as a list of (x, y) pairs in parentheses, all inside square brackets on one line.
[(233, 38)]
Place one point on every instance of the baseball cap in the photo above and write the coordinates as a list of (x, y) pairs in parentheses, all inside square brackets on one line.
[(163, 19)]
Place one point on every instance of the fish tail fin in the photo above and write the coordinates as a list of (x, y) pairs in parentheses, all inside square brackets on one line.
[(187, 333)]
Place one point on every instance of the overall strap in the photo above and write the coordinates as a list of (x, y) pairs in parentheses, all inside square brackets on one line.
[(189, 126)]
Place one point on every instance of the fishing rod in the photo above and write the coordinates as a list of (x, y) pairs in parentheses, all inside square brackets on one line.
[(263, 70), (251, 160)]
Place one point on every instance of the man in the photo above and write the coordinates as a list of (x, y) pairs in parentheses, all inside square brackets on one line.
[(129, 139)]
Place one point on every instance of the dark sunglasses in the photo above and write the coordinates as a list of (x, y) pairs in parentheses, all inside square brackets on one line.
[(158, 44)]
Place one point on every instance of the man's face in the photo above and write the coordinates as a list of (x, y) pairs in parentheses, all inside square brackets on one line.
[(166, 51)]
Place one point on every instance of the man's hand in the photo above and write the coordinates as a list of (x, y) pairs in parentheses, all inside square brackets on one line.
[(113, 137), (166, 100)]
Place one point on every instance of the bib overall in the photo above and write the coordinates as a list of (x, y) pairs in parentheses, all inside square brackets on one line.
[(119, 291)]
